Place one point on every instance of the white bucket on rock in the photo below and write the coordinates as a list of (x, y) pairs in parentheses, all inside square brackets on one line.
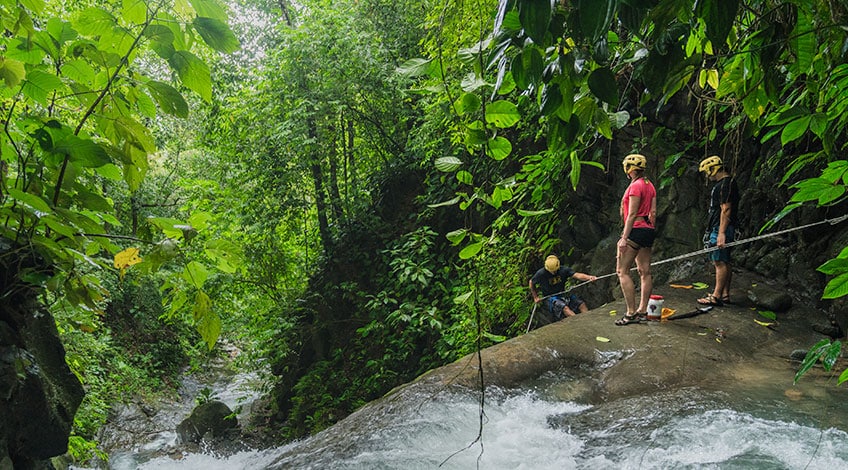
[(655, 304)]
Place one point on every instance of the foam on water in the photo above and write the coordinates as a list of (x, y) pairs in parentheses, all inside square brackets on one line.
[(518, 434)]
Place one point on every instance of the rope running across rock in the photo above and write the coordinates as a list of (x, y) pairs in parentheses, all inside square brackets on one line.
[(833, 221)]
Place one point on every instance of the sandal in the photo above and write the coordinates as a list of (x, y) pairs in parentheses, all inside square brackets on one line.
[(712, 300), (726, 300), (629, 319)]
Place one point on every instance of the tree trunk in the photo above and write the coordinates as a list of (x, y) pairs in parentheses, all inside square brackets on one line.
[(335, 195), (320, 197)]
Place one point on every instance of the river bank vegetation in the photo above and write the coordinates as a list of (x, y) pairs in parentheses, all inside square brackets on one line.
[(355, 192)]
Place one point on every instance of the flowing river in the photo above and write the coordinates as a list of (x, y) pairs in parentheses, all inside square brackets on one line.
[(534, 428)]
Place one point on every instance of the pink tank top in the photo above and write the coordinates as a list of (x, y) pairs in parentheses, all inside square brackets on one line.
[(644, 190)]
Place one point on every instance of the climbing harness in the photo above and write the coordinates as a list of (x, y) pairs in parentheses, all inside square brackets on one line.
[(833, 221)]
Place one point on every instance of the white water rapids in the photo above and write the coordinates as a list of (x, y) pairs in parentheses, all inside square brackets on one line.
[(687, 429)]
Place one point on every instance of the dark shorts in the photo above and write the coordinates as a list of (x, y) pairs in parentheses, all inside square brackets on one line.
[(723, 254), (558, 302), (642, 236)]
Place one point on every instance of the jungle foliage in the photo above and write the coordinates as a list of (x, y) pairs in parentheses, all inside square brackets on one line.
[(354, 185)]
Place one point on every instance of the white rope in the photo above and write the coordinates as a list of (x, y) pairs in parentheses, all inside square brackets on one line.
[(833, 221)]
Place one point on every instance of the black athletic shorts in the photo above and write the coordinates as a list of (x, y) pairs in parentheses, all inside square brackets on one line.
[(642, 236)]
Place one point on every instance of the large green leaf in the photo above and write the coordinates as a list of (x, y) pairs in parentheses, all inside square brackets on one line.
[(502, 114), (78, 70), (803, 43), (32, 201), (471, 250), (448, 164), (135, 134), (596, 17), (161, 40), (795, 129), (134, 11), (415, 67), (168, 98), (227, 255), (718, 16), (61, 31), (195, 274), (170, 227), (499, 148), (93, 22), (82, 152), (527, 67), (535, 15), (467, 103), (456, 236), (207, 322), (817, 189), (216, 34), (11, 71), (209, 9), (36, 6), (575, 169), (834, 266), (39, 86), (193, 72), (551, 99), (25, 51), (812, 357)]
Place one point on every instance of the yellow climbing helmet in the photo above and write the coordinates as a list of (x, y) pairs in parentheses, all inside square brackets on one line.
[(711, 165), (551, 264), (634, 161)]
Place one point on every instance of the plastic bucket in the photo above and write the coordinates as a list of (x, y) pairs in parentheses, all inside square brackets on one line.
[(655, 304)]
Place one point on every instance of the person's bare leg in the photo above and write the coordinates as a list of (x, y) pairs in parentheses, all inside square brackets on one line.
[(623, 263), (646, 278), (567, 312), (722, 286), (583, 308)]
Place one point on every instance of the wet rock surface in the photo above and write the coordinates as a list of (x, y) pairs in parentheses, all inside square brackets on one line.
[(729, 352), (214, 418), (700, 350)]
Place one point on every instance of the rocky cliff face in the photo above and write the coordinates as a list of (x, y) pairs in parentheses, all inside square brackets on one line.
[(789, 260), (39, 393)]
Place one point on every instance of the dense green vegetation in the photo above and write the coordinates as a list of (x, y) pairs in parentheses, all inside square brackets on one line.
[(353, 191)]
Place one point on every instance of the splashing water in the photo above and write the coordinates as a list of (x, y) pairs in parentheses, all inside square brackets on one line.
[(682, 430)]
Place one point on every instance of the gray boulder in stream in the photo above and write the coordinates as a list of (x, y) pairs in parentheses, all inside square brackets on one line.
[(213, 417)]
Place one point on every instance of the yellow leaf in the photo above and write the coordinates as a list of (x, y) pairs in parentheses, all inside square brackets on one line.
[(762, 323), (127, 258), (613, 312), (718, 340), (602, 339), (712, 78)]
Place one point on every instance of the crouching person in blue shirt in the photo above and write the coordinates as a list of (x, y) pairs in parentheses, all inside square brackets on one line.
[(550, 281)]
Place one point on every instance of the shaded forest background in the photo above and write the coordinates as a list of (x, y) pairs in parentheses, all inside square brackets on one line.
[(355, 192)]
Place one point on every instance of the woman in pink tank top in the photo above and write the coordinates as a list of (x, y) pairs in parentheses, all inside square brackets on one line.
[(638, 215)]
